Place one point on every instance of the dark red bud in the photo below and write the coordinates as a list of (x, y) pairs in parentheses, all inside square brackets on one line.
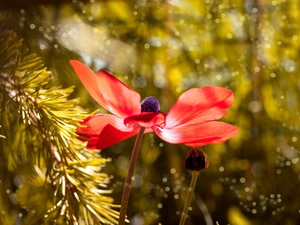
[(195, 160)]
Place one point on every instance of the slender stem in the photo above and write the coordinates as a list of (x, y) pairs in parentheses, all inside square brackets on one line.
[(127, 185), (189, 197)]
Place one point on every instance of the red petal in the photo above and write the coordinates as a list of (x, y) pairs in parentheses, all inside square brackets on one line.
[(104, 130), (199, 105), (146, 119), (197, 134), (108, 91), (88, 79), (119, 98)]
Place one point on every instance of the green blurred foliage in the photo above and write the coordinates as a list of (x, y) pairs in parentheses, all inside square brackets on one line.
[(164, 48)]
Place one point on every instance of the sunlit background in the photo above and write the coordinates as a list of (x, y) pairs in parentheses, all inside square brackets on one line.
[(163, 48)]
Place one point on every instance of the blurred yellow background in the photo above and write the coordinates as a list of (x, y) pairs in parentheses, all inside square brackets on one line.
[(162, 48)]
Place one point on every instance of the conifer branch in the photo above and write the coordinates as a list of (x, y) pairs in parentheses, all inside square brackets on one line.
[(62, 183)]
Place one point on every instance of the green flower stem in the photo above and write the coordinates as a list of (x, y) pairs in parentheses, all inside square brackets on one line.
[(127, 185), (189, 197)]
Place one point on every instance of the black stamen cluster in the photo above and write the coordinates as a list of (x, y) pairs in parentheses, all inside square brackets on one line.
[(150, 104)]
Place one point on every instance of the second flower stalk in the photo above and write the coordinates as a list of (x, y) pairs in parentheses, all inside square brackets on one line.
[(195, 161)]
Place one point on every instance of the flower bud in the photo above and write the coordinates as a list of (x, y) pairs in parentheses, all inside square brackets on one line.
[(195, 160), (150, 104)]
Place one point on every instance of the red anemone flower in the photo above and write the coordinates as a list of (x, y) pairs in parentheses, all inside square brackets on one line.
[(190, 121)]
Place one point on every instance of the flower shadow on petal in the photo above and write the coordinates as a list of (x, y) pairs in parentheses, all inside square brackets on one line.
[(146, 119)]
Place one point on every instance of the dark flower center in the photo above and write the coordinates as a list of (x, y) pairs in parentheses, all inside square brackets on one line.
[(150, 104), (195, 160)]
